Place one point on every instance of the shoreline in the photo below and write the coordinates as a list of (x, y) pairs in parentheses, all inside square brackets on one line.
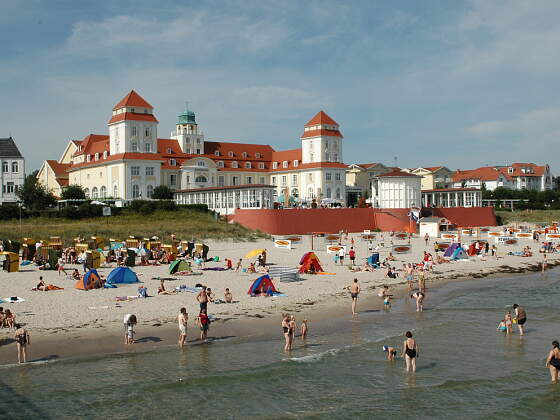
[(89, 342)]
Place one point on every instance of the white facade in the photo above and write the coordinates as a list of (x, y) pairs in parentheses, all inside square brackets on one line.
[(397, 190), (12, 170)]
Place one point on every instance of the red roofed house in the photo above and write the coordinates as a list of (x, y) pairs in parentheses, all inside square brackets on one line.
[(516, 176), (131, 161)]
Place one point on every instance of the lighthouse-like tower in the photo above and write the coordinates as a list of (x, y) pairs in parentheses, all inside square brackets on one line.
[(321, 140), (133, 127), (189, 137)]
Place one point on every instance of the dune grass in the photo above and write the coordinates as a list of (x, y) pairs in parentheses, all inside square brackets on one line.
[(531, 216), (185, 224)]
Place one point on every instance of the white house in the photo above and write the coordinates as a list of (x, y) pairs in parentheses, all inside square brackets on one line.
[(397, 190), (12, 175)]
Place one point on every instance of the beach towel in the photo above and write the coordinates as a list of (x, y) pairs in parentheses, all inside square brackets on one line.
[(53, 287), (125, 298), (25, 262), (109, 286), (214, 269), (325, 273), (187, 273), (13, 299), (184, 288)]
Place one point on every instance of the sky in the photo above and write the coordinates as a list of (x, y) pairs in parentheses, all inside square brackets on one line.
[(437, 82)]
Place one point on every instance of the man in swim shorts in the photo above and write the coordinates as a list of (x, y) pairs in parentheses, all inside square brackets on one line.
[(354, 289), (202, 298), (521, 317), (182, 319)]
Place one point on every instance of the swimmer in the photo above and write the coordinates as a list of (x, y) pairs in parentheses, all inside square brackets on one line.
[(553, 362), (419, 296), (391, 352), (387, 301)]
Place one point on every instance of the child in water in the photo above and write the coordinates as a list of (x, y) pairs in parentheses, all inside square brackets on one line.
[(391, 352), (509, 322), (502, 326), (304, 329)]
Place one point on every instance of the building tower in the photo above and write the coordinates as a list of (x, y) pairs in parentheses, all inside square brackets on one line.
[(133, 127), (321, 140), (190, 138)]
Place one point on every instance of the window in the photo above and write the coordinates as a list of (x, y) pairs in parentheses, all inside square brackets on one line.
[(86, 192), (149, 191), (5, 167), (135, 191), (135, 170), (310, 177), (103, 192), (132, 110), (147, 132), (230, 154), (274, 165), (9, 188), (105, 154), (198, 141), (88, 158), (149, 171), (97, 156), (201, 179), (172, 179), (173, 162), (335, 158), (328, 193), (284, 180), (296, 163), (198, 151), (261, 165), (337, 176), (217, 153), (311, 156), (261, 180), (328, 176), (245, 155), (248, 165), (100, 174), (285, 164), (273, 180), (295, 192), (169, 150), (134, 132), (200, 163), (221, 181), (220, 164), (148, 147), (115, 191), (338, 194), (94, 193), (134, 146), (15, 167), (234, 164), (234, 180), (249, 179), (294, 179), (258, 155)]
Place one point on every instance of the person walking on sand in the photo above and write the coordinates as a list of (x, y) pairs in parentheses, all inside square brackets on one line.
[(352, 255), (292, 330), (22, 341), (426, 239), (553, 362), (521, 317), (354, 289), (182, 319), (422, 279), (341, 254), (130, 329), (410, 352)]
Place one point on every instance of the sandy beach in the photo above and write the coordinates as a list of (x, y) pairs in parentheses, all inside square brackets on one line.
[(93, 319)]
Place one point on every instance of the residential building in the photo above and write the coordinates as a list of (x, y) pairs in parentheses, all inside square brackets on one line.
[(360, 178), (12, 173), (433, 177), (397, 190), (132, 159), (516, 176)]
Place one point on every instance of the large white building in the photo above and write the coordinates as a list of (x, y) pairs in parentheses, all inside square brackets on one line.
[(132, 160), (397, 190), (12, 175), (517, 176)]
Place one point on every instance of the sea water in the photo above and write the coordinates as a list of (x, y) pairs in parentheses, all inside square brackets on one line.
[(466, 368)]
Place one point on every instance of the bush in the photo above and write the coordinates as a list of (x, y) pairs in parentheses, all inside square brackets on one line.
[(203, 208), (73, 192), (162, 192), (10, 211)]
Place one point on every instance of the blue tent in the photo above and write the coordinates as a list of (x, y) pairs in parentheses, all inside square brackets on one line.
[(373, 259), (263, 283), (122, 275), (460, 254), (451, 249)]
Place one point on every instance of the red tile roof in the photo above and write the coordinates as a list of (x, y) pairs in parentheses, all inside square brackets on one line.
[(537, 170), (120, 156), (92, 144), (63, 182), (229, 187), (485, 173), (134, 116), (265, 151), (321, 118), (366, 165), (315, 133), (288, 155), (59, 169), (132, 99), (397, 173)]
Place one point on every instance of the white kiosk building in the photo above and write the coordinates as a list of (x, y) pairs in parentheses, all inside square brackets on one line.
[(397, 190)]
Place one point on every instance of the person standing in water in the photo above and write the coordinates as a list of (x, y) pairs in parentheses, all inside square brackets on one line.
[(22, 341), (304, 329), (419, 296), (391, 353), (544, 263), (521, 317), (553, 362), (410, 352), (354, 289), (182, 319), (286, 331)]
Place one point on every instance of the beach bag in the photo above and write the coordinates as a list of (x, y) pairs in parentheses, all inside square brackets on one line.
[(143, 292)]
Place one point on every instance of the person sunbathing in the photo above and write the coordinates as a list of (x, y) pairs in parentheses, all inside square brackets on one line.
[(228, 296), (391, 257), (41, 285), (9, 319), (161, 289)]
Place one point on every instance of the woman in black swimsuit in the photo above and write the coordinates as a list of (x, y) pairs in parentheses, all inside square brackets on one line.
[(286, 331), (22, 341), (553, 362), (410, 352)]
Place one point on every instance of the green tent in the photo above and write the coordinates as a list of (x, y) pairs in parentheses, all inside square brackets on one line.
[(179, 265)]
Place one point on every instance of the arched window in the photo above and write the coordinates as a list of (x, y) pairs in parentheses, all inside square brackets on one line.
[(94, 193), (115, 191), (234, 164), (135, 191), (86, 192), (200, 179), (149, 191), (328, 193), (310, 193), (338, 193), (103, 192)]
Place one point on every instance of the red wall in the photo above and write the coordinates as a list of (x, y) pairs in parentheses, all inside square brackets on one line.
[(304, 221)]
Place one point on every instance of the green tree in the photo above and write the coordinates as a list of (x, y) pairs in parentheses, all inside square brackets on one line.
[(73, 192), (33, 195), (162, 192)]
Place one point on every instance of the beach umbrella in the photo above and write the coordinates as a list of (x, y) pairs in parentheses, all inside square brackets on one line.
[(254, 253)]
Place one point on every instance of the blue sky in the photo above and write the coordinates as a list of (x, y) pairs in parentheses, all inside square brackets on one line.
[(461, 83)]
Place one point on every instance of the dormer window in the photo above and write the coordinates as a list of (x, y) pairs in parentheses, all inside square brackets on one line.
[(169, 150), (132, 110), (510, 170), (274, 165), (145, 111), (88, 158), (296, 163), (230, 154), (285, 164), (258, 155), (217, 153), (261, 165), (97, 156), (248, 165), (234, 164), (173, 162), (220, 164), (200, 163), (244, 154), (105, 154)]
